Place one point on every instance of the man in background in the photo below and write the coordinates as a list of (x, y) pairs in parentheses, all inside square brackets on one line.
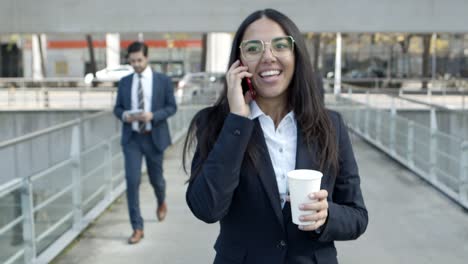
[(145, 100)]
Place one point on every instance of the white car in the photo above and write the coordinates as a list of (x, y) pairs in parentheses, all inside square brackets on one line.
[(109, 75)]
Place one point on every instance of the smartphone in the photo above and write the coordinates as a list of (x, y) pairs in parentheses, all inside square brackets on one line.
[(249, 84)]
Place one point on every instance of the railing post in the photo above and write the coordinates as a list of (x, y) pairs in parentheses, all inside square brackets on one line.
[(75, 153), (38, 98), (356, 113), (378, 125), (109, 167), (392, 132), (112, 99), (80, 94), (410, 144), (393, 106), (11, 95), (46, 97), (366, 116), (463, 99), (463, 191), (429, 95), (433, 146), (169, 123), (183, 116), (23, 92), (29, 231), (179, 121)]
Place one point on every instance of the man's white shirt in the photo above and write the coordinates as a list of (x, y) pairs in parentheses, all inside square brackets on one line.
[(147, 85)]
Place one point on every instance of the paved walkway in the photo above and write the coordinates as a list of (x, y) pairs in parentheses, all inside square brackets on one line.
[(410, 222)]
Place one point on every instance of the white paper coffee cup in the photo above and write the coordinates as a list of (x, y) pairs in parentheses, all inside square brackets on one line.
[(301, 184)]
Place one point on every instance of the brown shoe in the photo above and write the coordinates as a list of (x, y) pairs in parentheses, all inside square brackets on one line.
[(161, 211), (136, 236)]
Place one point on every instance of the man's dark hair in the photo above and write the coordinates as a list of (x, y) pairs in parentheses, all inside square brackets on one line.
[(138, 46)]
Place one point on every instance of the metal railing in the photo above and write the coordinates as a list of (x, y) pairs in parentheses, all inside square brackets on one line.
[(437, 157), (63, 177), (81, 97), (57, 98), (22, 82), (450, 113), (453, 98), (408, 84), (90, 98)]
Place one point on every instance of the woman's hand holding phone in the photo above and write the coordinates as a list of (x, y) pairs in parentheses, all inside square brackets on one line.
[(238, 102), (249, 83)]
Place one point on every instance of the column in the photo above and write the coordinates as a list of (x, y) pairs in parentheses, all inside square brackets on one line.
[(112, 50), (337, 85), (218, 48)]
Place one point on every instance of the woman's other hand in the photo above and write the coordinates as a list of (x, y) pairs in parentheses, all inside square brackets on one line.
[(319, 204)]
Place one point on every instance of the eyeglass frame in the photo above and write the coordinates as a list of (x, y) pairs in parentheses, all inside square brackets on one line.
[(264, 44)]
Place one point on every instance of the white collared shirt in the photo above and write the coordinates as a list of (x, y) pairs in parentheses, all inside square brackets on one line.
[(281, 143), (147, 84)]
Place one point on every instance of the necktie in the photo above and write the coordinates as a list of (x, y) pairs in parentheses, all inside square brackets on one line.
[(141, 103)]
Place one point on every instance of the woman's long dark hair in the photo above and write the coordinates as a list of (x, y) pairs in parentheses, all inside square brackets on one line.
[(305, 97)]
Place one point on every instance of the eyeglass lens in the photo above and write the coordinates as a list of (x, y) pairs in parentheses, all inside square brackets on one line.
[(253, 49)]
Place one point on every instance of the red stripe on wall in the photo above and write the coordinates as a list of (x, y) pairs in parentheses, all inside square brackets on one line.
[(74, 44), (82, 44), (191, 43)]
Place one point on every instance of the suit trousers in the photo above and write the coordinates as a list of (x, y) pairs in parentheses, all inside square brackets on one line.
[(139, 146)]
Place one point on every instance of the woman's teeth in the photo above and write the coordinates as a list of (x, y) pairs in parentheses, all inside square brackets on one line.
[(270, 73)]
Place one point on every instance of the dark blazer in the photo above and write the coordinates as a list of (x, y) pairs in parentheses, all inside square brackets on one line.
[(246, 201), (163, 105)]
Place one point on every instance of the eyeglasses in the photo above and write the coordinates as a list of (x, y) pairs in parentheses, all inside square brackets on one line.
[(252, 50)]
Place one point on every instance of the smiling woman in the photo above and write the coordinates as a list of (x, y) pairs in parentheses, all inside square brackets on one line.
[(245, 146), (272, 68)]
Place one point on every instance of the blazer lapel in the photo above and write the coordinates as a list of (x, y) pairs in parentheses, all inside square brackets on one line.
[(267, 173), (128, 91), (157, 93), (305, 159)]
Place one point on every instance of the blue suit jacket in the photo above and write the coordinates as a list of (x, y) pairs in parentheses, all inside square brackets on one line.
[(163, 105), (245, 200)]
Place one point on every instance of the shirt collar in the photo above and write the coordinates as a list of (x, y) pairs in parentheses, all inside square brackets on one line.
[(255, 112), (146, 72), (290, 116)]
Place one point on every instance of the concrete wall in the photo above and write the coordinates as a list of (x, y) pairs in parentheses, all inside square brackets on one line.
[(27, 16)]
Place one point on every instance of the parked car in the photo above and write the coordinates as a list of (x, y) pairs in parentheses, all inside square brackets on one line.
[(199, 87), (364, 77), (109, 75)]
